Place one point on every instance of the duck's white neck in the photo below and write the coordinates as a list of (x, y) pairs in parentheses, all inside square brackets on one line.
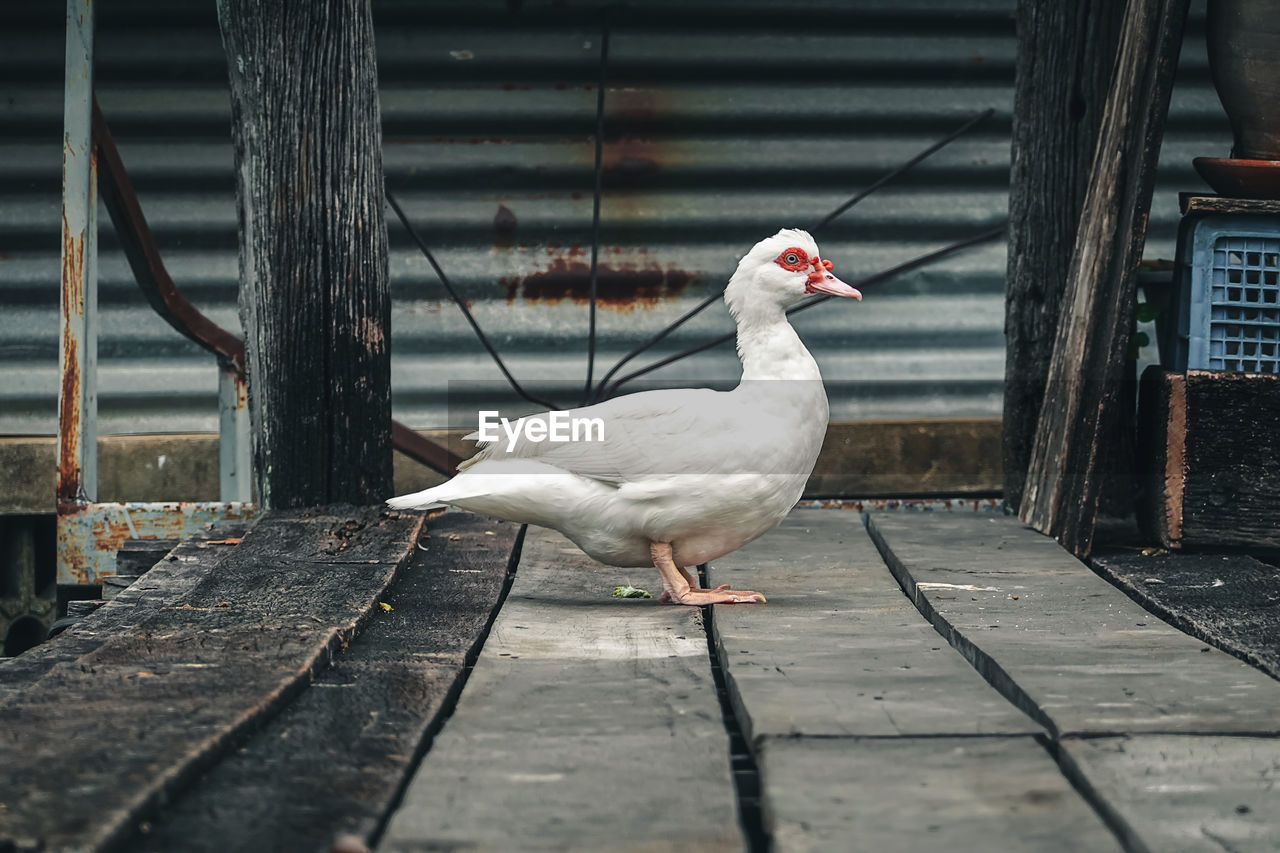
[(770, 348)]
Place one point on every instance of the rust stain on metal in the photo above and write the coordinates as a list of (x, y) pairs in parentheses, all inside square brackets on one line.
[(242, 393), (90, 535), (69, 402), (631, 158), (621, 287), (504, 227)]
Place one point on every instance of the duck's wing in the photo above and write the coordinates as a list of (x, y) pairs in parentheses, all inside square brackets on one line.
[(627, 438)]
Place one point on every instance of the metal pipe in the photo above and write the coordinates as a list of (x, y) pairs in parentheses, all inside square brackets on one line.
[(78, 348), (235, 464)]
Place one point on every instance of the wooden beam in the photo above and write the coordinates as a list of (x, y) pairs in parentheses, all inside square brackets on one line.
[(1174, 792), (1081, 404), (1210, 458), (865, 724), (193, 561), (314, 296), (1066, 54)]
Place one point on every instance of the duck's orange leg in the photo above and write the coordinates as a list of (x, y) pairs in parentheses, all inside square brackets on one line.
[(681, 587)]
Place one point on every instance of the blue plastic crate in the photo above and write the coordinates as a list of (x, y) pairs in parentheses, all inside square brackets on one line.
[(1227, 295)]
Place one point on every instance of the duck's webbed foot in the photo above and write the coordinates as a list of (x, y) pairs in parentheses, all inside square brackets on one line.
[(680, 587)]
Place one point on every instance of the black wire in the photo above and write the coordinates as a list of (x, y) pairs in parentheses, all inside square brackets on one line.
[(907, 166), (462, 306), (688, 315), (595, 213), (871, 279), (826, 220)]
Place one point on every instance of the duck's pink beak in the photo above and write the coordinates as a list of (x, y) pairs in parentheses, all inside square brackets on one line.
[(822, 281)]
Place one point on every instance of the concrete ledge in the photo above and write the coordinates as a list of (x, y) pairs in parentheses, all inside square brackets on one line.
[(863, 459)]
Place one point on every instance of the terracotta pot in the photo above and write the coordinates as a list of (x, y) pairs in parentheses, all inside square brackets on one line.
[(1244, 57)]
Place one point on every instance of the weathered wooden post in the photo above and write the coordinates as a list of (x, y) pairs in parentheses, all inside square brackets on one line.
[(1066, 53), (1082, 396), (314, 297)]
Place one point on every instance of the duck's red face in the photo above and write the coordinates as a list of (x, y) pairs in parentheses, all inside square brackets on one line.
[(819, 279)]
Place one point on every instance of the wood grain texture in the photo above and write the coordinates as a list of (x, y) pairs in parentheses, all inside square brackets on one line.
[(839, 650), (1185, 793), (870, 731), (1081, 408), (314, 296), (588, 723), (983, 793), (1229, 600), (1071, 650), (338, 754), (1192, 203), (194, 560), (1066, 53), (1232, 490), (877, 459), (1162, 429), (136, 717), (1214, 432)]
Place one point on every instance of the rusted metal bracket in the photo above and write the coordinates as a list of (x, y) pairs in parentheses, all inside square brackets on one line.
[(144, 257), (91, 534)]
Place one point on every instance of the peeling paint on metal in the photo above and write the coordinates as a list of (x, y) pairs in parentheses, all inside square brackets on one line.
[(90, 535)]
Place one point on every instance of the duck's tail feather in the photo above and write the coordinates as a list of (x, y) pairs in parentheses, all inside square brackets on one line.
[(425, 499)]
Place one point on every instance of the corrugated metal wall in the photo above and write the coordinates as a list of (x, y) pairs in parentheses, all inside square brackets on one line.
[(724, 122)]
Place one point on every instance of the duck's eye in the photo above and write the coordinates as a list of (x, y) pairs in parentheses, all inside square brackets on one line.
[(794, 259)]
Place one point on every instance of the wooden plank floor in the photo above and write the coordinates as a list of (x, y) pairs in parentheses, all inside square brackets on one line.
[(1071, 649), (868, 728), (1203, 793), (171, 579), (929, 681), (135, 715), (588, 723), (338, 754), (1174, 741)]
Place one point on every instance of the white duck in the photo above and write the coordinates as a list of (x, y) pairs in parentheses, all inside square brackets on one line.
[(682, 476)]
